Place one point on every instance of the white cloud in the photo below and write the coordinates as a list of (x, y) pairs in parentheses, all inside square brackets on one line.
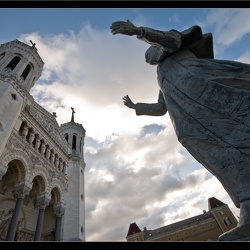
[(230, 24), (244, 58)]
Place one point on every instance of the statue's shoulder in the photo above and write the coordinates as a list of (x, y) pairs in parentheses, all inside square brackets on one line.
[(204, 47), (198, 43)]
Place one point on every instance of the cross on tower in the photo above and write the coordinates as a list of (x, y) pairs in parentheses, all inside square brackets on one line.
[(33, 45), (72, 117)]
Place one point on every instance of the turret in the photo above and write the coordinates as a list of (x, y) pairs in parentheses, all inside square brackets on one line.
[(74, 134), (20, 67), (21, 63), (74, 216)]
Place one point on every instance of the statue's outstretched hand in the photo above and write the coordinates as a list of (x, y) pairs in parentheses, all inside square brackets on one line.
[(127, 102), (125, 28)]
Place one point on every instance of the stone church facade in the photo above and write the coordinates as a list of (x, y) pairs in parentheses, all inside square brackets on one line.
[(42, 164)]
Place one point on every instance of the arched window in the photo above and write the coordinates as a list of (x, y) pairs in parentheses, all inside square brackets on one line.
[(26, 71), (67, 137), (13, 63), (74, 142)]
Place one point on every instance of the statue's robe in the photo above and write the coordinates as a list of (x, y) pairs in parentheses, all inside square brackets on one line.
[(208, 102)]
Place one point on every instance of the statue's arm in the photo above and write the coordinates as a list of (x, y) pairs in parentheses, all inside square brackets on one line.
[(152, 109), (169, 41)]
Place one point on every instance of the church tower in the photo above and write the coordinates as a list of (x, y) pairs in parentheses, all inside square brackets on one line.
[(74, 216), (20, 67)]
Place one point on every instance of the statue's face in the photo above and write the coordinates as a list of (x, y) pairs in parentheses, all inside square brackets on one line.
[(154, 55)]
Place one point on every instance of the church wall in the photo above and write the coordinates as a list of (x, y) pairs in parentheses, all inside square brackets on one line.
[(71, 218), (82, 204), (11, 104)]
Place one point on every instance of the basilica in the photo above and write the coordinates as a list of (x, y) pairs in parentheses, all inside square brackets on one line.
[(42, 195)]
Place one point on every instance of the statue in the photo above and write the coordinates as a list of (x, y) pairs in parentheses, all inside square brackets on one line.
[(208, 101)]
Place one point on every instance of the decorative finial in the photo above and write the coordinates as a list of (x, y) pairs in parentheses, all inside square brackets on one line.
[(72, 117)]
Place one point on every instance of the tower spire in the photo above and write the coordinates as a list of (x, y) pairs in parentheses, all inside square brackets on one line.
[(72, 116)]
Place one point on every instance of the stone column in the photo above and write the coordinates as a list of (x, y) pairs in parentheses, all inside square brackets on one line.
[(52, 157), (43, 148), (57, 161), (20, 191), (25, 131), (60, 165), (59, 211), (48, 152), (20, 67), (31, 137), (64, 168), (38, 142), (42, 201)]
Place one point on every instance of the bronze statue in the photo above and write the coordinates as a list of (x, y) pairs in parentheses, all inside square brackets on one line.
[(208, 101)]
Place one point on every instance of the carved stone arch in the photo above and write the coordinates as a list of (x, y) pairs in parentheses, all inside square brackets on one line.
[(21, 157), (43, 173), (38, 188), (57, 188), (41, 182)]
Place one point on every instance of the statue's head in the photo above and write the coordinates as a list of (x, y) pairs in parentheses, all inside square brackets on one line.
[(154, 55)]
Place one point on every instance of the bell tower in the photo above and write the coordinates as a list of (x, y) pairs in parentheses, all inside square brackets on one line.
[(74, 216), (20, 68)]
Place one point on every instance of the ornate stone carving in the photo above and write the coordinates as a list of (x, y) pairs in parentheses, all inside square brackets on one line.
[(37, 144), (5, 217), (3, 188), (48, 152), (59, 210), (42, 201), (43, 148), (25, 131), (22, 189), (48, 122), (31, 137), (52, 158), (57, 162), (52, 174), (7, 70), (35, 159), (15, 143)]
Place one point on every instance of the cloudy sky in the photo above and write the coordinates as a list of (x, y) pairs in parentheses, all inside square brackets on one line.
[(136, 170)]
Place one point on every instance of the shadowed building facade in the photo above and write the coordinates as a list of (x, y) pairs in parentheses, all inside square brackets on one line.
[(207, 226), (41, 163)]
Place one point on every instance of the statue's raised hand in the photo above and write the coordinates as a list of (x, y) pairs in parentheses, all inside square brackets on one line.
[(125, 28), (127, 102)]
